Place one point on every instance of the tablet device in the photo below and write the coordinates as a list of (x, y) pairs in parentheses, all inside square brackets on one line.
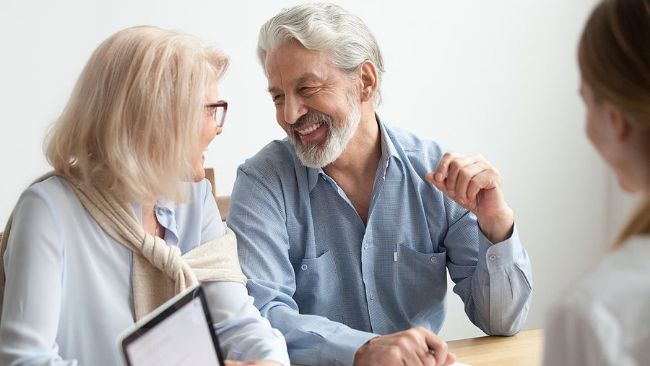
[(177, 333)]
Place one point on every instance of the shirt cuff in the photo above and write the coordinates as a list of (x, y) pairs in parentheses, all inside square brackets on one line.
[(503, 254), (343, 346)]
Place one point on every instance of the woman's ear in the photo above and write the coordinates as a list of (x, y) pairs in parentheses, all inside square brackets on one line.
[(619, 123), (369, 80)]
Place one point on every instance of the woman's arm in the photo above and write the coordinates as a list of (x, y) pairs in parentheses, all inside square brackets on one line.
[(243, 333), (33, 289)]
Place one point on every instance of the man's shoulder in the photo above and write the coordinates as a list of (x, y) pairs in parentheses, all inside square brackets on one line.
[(410, 142), (277, 154), (419, 152)]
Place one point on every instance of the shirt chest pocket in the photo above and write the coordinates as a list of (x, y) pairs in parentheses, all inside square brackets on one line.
[(421, 281), (318, 287)]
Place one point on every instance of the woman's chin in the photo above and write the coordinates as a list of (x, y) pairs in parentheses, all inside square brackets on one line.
[(628, 185), (199, 174), (199, 177)]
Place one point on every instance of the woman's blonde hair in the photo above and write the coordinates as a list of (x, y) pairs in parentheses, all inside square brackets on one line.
[(132, 124), (614, 59)]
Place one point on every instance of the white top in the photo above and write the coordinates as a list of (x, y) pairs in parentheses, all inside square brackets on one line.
[(605, 318), (68, 291)]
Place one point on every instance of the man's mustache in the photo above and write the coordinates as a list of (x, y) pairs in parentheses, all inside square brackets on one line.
[(310, 117)]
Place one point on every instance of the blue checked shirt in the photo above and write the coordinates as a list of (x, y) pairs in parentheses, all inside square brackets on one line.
[(330, 283)]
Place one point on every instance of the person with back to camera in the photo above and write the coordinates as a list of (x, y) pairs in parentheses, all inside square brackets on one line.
[(604, 318), (346, 228), (126, 220)]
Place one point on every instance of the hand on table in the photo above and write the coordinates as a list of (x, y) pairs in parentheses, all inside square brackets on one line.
[(409, 347), (475, 184)]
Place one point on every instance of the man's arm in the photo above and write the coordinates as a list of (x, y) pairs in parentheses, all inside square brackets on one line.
[(258, 218), (495, 285)]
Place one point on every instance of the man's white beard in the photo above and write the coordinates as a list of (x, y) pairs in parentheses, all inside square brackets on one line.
[(317, 155)]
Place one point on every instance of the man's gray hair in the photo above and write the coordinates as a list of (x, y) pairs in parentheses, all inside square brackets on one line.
[(324, 27)]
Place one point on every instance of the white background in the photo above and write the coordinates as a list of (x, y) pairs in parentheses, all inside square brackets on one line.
[(493, 77)]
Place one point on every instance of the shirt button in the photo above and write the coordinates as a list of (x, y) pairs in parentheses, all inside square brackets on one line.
[(365, 246), (432, 259), (303, 267), (493, 257), (372, 297)]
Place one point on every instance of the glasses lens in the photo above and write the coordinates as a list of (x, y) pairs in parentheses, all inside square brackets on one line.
[(219, 114)]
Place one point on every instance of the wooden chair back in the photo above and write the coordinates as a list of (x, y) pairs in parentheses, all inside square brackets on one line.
[(223, 202)]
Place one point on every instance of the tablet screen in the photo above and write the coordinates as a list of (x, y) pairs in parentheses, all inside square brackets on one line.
[(180, 334)]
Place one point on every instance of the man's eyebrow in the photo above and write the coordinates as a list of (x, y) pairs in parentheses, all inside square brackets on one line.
[(305, 77), (309, 77)]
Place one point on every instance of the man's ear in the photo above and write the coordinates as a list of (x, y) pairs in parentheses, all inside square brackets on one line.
[(619, 123), (369, 80)]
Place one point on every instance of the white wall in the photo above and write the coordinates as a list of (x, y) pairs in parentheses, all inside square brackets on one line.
[(496, 77)]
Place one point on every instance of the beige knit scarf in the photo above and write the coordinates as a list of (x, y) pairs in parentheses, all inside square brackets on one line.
[(159, 270)]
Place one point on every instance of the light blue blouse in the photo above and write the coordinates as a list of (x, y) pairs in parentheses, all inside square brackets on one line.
[(68, 291)]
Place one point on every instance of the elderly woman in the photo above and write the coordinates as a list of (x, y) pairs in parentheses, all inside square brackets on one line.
[(605, 318), (127, 219)]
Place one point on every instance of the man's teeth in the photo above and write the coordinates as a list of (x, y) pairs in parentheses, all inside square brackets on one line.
[(310, 129)]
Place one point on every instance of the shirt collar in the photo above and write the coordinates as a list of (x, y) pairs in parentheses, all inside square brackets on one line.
[(387, 151), (387, 146), (166, 214)]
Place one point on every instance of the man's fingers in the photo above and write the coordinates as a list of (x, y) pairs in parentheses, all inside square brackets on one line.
[(410, 342), (465, 176), (451, 358), (486, 179), (439, 347), (433, 349), (421, 348), (441, 171), (455, 167), (234, 363), (438, 184)]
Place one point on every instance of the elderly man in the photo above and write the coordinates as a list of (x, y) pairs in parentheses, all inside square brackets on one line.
[(346, 228)]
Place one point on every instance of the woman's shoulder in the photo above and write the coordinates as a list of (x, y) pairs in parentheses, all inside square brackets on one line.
[(618, 280), (605, 306), (198, 192), (54, 191)]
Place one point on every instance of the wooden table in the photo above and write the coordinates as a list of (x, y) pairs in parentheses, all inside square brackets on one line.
[(523, 349)]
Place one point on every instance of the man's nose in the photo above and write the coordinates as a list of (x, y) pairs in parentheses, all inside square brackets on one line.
[(294, 108)]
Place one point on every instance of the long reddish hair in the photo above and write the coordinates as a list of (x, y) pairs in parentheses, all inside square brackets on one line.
[(614, 59)]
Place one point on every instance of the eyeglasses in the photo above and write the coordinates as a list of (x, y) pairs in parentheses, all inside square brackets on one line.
[(218, 112)]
